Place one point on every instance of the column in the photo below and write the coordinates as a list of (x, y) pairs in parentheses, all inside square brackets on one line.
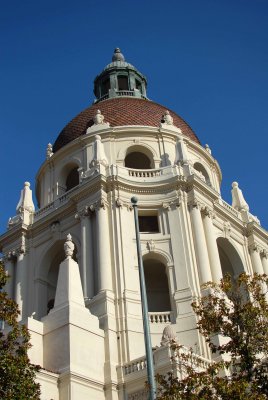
[(200, 243), (256, 259), (265, 261), (212, 247), (103, 248), (87, 271), (20, 289), (9, 260)]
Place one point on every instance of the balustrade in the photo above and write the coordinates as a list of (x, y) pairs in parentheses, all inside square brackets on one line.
[(159, 317)]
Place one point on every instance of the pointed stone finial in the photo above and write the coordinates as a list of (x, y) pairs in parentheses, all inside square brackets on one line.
[(49, 151), (208, 149), (26, 199), (99, 153), (238, 201), (168, 335), (69, 246), (98, 118), (118, 56), (167, 118)]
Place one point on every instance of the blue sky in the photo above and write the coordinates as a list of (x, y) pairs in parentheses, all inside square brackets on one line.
[(205, 59)]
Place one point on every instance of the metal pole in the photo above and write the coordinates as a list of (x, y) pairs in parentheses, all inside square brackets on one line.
[(147, 336)]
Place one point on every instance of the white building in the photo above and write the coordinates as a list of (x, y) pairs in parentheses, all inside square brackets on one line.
[(85, 319)]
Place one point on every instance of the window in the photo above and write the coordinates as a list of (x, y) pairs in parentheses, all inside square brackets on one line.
[(72, 179), (123, 82), (148, 224), (137, 160), (138, 84), (105, 86)]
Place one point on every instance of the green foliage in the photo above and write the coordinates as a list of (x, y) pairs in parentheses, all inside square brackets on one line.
[(17, 374), (237, 312)]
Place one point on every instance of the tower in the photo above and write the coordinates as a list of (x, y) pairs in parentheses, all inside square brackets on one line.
[(73, 262)]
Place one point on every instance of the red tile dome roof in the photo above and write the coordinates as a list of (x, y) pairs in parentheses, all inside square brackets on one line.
[(120, 111)]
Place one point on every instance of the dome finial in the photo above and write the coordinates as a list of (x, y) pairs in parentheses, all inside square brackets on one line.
[(118, 56)]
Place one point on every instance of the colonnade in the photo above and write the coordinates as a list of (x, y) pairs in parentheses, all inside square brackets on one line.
[(100, 237), (205, 243), (207, 249)]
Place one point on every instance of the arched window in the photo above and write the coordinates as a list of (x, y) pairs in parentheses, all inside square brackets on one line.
[(202, 172), (72, 179), (137, 160), (157, 287), (230, 260)]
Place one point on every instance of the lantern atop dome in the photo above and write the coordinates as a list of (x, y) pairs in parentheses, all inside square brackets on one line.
[(119, 79)]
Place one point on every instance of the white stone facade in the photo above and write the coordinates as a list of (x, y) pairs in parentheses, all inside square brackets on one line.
[(90, 344)]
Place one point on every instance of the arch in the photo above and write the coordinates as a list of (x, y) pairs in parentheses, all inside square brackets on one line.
[(202, 170), (69, 177), (157, 285), (47, 276), (159, 255), (139, 157), (231, 262), (130, 147)]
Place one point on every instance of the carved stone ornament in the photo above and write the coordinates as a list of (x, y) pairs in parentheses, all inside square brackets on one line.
[(151, 245), (140, 395), (207, 212), (69, 247), (227, 229), (175, 203), (168, 335), (49, 151), (207, 148), (22, 249), (255, 247), (85, 212), (98, 118), (167, 118), (119, 202)]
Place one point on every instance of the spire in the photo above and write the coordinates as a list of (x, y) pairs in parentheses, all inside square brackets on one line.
[(118, 56)]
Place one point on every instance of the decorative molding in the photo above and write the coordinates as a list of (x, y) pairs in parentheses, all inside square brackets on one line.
[(174, 203), (227, 229), (208, 212), (264, 253), (195, 203), (85, 212), (255, 247)]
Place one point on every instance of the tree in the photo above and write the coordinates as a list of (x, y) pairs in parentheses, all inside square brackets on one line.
[(17, 374), (237, 312)]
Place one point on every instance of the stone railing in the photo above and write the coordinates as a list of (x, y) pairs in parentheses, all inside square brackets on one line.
[(230, 208), (160, 317), (54, 204), (145, 173), (198, 362), (139, 364)]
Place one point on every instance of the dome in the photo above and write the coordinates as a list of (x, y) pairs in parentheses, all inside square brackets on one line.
[(121, 111)]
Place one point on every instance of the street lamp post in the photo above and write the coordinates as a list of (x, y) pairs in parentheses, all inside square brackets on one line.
[(147, 336)]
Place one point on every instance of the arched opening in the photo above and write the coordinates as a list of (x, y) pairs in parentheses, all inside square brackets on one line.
[(72, 179), (202, 172), (49, 270), (157, 287), (139, 157), (230, 260)]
